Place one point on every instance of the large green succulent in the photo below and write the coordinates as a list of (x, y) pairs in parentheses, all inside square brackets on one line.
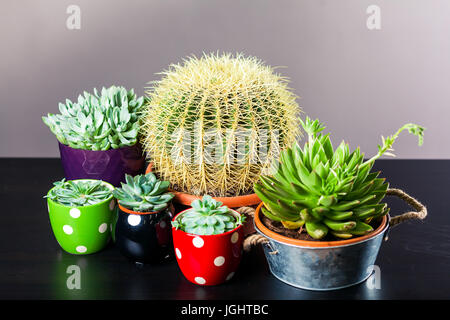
[(207, 217), (144, 193), (324, 189), (77, 193), (108, 120)]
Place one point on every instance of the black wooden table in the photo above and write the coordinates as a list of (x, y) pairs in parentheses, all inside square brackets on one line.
[(414, 262)]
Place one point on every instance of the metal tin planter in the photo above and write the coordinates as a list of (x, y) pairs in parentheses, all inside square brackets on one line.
[(109, 165), (82, 230), (143, 237), (321, 265)]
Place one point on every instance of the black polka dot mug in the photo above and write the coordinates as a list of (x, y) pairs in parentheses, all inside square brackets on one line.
[(144, 237)]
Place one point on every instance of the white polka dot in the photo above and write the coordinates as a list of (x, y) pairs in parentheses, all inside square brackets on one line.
[(198, 242), (75, 213), (67, 229), (162, 224), (134, 219), (103, 227), (235, 237), (200, 280), (219, 261), (112, 204), (230, 276), (178, 252), (81, 249)]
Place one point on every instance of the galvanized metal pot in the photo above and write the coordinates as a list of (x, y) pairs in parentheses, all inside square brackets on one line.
[(321, 265)]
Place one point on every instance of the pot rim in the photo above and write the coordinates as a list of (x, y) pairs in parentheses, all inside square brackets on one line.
[(109, 185), (206, 235), (126, 210), (261, 228), (186, 199), (67, 146)]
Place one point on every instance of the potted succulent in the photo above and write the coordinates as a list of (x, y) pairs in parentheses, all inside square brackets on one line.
[(141, 228), (213, 124), (208, 241), (98, 135), (322, 218), (80, 214)]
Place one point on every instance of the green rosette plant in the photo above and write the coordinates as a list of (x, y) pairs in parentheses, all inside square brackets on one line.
[(326, 190), (143, 193), (75, 193), (207, 217), (99, 121)]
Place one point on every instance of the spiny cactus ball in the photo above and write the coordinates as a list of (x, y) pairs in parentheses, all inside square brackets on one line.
[(213, 124)]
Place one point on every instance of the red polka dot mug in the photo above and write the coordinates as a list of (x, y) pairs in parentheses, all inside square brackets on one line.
[(208, 259)]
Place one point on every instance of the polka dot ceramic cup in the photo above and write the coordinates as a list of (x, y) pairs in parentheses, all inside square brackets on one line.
[(144, 237), (208, 260), (82, 230)]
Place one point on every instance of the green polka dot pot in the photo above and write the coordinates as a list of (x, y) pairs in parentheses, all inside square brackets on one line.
[(85, 229)]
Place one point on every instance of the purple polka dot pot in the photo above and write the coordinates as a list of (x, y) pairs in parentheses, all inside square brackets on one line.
[(208, 260), (144, 237), (82, 230)]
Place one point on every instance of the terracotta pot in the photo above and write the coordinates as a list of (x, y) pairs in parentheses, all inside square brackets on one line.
[(321, 265), (143, 236), (208, 259), (231, 202)]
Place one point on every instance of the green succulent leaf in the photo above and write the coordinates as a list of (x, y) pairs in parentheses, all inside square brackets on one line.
[(207, 217), (144, 193), (98, 121), (79, 193), (333, 191)]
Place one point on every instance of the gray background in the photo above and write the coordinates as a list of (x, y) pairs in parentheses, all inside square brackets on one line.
[(361, 83)]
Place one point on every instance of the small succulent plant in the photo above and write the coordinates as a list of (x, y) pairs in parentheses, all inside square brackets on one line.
[(108, 120), (324, 189), (208, 217), (77, 193), (143, 193)]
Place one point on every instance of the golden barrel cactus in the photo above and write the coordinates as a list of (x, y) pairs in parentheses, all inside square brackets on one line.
[(213, 124)]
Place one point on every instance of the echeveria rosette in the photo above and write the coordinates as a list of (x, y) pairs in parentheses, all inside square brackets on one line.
[(327, 190), (77, 193), (144, 193), (208, 217), (108, 120)]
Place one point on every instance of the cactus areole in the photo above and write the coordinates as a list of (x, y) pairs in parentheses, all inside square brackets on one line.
[(213, 124)]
